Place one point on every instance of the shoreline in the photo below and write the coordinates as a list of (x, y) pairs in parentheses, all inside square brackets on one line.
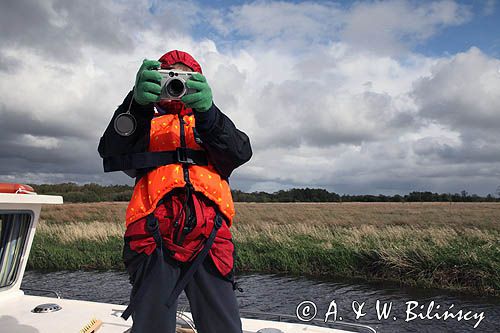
[(450, 247)]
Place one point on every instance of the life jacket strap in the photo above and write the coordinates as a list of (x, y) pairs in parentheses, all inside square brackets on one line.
[(153, 227), (187, 276), (191, 218), (146, 160), (189, 215)]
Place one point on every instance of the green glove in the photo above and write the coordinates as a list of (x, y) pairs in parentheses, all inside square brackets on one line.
[(147, 83), (200, 101)]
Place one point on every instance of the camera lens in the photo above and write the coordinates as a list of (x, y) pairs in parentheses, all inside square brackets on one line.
[(175, 88)]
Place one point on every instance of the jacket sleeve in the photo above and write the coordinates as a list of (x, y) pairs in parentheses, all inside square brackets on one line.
[(226, 146), (113, 147)]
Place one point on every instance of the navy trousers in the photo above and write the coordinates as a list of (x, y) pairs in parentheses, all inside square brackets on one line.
[(211, 296)]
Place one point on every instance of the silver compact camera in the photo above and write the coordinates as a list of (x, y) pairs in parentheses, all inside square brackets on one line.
[(173, 84)]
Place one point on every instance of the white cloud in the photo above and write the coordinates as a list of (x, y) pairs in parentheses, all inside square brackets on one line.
[(384, 27), (271, 21), (389, 27), (462, 92), (39, 141), (317, 87)]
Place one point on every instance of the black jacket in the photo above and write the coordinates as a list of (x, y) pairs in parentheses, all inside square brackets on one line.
[(227, 147)]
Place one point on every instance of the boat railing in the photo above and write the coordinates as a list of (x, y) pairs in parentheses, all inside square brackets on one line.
[(282, 317), (47, 291), (360, 328)]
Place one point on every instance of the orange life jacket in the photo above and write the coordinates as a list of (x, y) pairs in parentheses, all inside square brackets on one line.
[(165, 135)]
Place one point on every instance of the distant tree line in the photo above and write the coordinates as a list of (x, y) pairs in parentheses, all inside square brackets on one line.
[(86, 193), (94, 193)]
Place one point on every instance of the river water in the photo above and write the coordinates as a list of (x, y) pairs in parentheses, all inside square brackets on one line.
[(282, 294)]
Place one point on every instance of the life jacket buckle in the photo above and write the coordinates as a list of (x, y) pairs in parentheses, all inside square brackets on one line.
[(218, 221), (151, 223), (182, 156), (190, 223)]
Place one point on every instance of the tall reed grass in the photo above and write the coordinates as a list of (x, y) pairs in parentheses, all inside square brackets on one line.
[(453, 246)]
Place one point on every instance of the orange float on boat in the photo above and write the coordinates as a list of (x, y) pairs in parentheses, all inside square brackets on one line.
[(16, 188)]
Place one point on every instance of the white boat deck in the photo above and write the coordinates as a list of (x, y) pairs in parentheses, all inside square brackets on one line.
[(16, 315)]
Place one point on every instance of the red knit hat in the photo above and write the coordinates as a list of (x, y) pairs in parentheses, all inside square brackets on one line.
[(174, 56), (169, 59)]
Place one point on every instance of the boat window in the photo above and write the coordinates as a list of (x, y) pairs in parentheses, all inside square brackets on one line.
[(14, 229)]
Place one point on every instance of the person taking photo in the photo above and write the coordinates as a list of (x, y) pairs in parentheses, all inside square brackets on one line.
[(181, 154)]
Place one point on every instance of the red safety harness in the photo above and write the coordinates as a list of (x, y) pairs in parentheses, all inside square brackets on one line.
[(153, 228)]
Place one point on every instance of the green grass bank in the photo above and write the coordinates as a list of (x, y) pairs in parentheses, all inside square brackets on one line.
[(451, 246)]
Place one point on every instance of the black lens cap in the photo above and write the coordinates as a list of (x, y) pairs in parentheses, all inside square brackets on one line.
[(125, 124)]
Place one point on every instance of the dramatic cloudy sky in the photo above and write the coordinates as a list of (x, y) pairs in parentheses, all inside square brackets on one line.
[(355, 97)]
